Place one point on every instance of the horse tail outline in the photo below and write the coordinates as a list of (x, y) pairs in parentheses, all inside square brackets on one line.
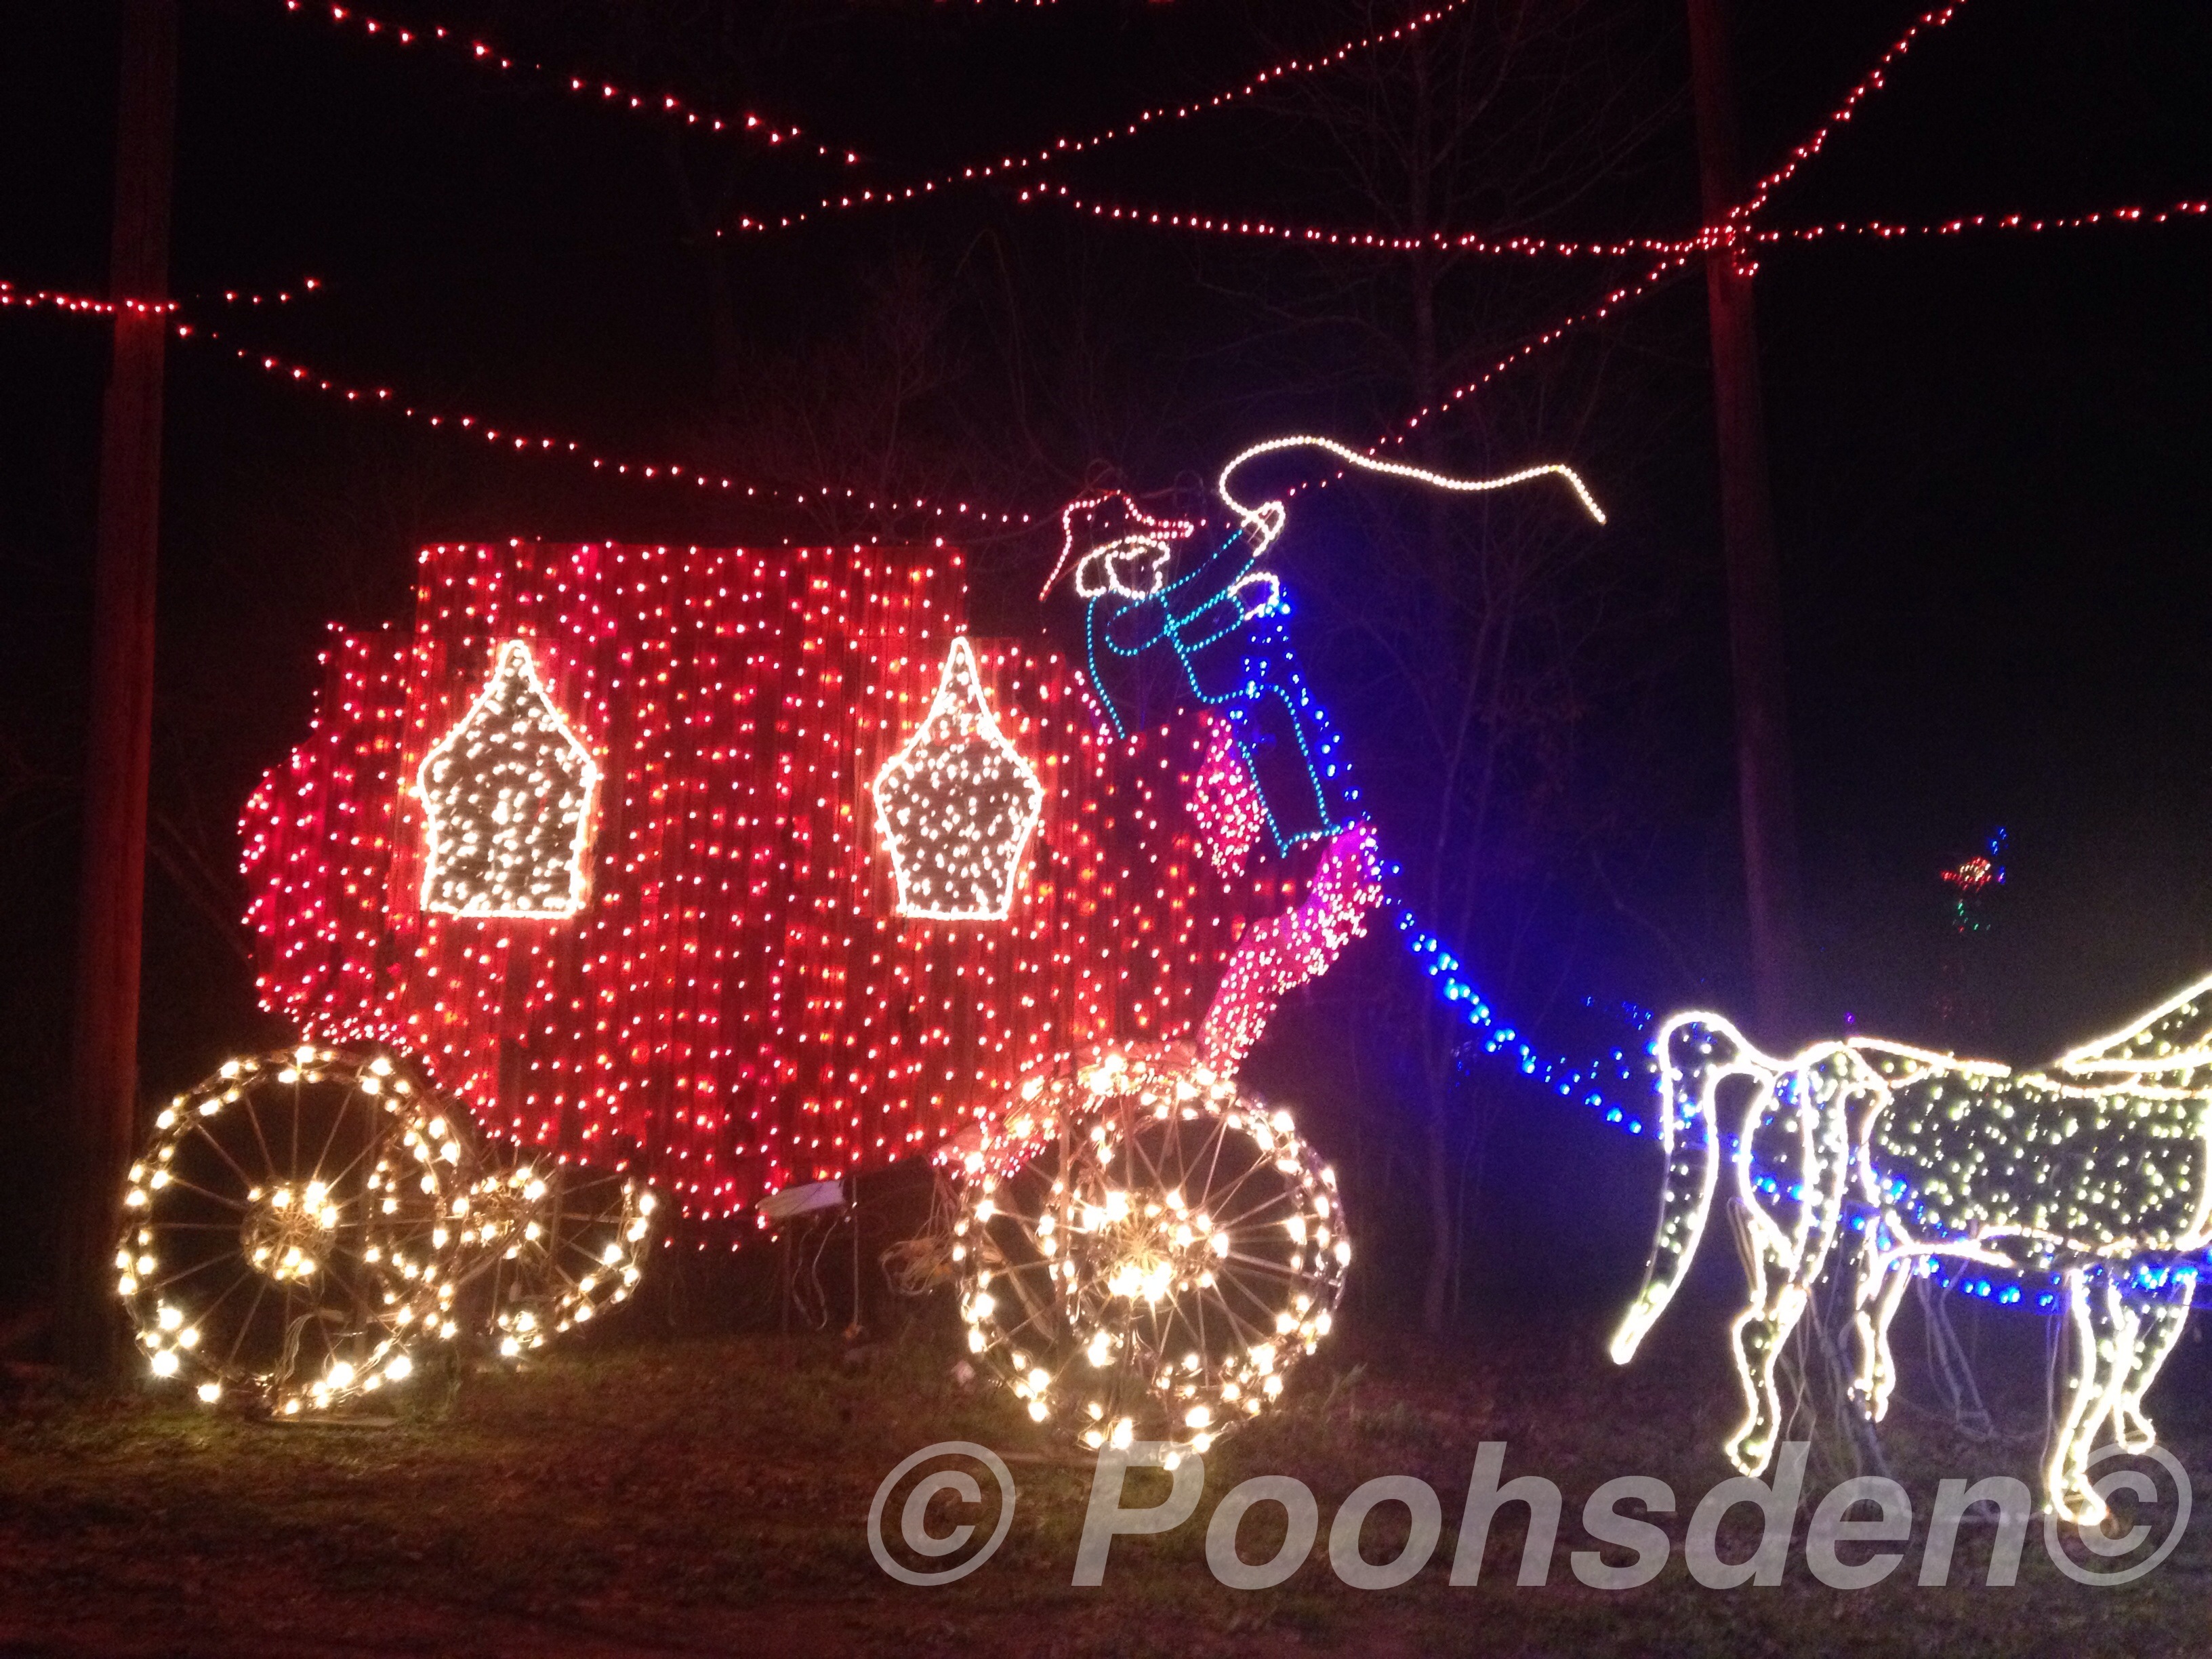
[(1695, 1053)]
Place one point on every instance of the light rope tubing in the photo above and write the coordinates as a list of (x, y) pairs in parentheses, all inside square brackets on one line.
[(1266, 521)]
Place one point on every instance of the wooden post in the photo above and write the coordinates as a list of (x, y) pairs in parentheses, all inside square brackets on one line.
[(105, 1054), (1755, 588)]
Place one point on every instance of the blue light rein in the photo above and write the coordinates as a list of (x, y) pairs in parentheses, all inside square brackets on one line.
[(1632, 1064)]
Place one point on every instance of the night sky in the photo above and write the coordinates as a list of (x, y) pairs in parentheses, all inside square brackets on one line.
[(1988, 450)]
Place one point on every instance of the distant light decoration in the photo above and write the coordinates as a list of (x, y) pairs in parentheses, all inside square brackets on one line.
[(664, 107), (1972, 881), (738, 1006), (1061, 149), (1145, 1251), (506, 797), (2098, 1169), (1281, 952), (955, 806)]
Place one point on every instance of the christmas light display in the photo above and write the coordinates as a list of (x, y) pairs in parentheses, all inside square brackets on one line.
[(1283, 951), (664, 107), (1125, 550), (1145, 1251), (1265, 522), (1613, 300), (1883, 230), (284, 1236), (506, 441), (739, 1004), (2098, 1169), (955, 806), (1225, 621), (506, 797), (544, 1251), (1223, 803), (1372, 241), (1534, 247), (1873, 81), (1061, 148), (1623, 1068), (1973, 880), (82, 304), (306, 1224)]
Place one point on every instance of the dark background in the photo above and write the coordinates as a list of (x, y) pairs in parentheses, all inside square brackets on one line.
[(1987, 457)]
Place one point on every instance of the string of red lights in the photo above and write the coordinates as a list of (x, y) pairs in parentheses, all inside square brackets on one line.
[(1873, 81), (25, 299), (510, 441), (1883, 230), (1675, 255), (594, 88), (90, 305), (1373, 241), (1475, 242), (1735, 227), (1612, 302), (1059, 149)]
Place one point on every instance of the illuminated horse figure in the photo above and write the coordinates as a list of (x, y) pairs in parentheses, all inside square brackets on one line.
[(2098, 1169)]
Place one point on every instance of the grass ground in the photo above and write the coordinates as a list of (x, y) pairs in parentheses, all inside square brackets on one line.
[(648, 1497)]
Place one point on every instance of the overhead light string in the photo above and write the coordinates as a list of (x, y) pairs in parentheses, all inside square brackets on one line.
[(1440, 241), (664, 107), (1061, 148), (1875, 79), (507, 441)]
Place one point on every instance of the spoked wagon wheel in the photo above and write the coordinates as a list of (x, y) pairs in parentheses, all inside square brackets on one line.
[(285, 1233), (1191, 1246), (546, 1247)]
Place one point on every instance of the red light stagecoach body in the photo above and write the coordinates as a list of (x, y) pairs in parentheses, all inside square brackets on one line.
[(633, 893)]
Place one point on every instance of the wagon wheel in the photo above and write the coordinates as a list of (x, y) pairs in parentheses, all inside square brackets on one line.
[(547, 1248), (1170, 1254), (285, 1234)]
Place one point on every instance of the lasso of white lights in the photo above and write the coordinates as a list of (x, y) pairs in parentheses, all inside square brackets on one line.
[(957, 805), (1265, 522), (1145, 1252), (2098, 1169), (508, 796)]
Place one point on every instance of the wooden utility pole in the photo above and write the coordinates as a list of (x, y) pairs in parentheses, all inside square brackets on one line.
[(104, 1102), (1755, 588)]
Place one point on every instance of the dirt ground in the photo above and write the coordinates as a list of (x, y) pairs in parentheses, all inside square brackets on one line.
[(646, 1496)]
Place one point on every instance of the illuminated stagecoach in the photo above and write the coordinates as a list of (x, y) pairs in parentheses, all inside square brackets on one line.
[(711, 872)]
